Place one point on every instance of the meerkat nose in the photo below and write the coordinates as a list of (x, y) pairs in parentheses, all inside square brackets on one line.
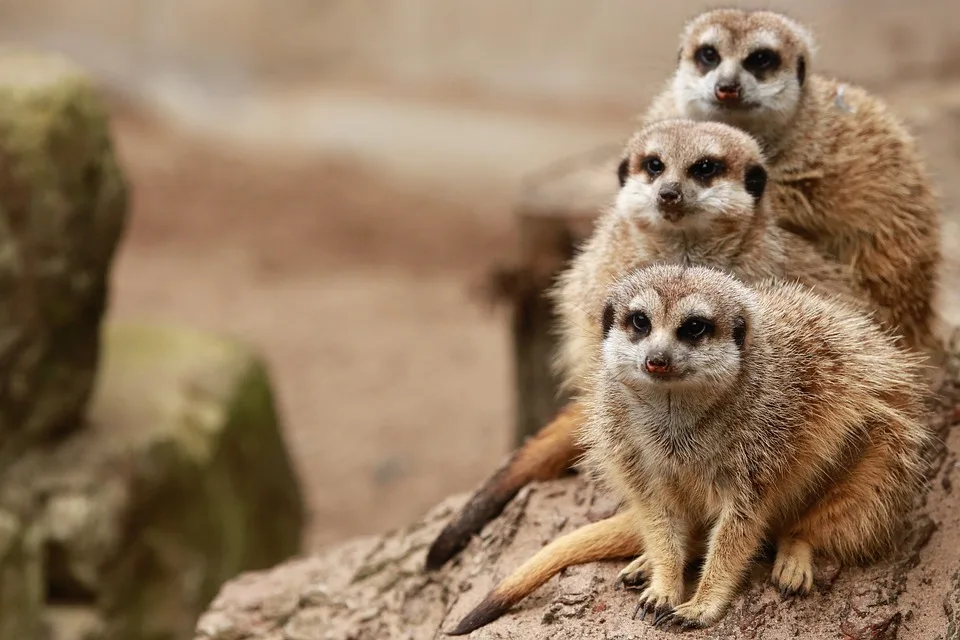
[(670, 194), (658, 363), (727, 91)]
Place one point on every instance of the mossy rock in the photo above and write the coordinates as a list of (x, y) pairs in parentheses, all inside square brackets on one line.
[(63, 205), (180, 481)]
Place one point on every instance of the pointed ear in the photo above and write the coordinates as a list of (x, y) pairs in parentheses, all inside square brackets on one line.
[(801, 70), (607, 319), (755, 181), (623, 170), (740, 332)]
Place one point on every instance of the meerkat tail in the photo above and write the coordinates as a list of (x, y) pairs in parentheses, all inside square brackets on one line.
[(547, 455), (615, 537)]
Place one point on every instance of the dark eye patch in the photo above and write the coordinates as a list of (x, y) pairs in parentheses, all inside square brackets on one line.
[(706, 169), (762, 62), (755, 181), (694, 329), (706, 58), (653, 166), (607, 321), (623, 171), (640, 323), (739, 331)]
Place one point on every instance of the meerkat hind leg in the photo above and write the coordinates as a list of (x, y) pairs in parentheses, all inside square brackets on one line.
[(793, 567), (852, 521)]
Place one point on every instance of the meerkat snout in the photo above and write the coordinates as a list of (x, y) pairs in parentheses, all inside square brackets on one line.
[(670, 201), (658, 363), (727, 91)]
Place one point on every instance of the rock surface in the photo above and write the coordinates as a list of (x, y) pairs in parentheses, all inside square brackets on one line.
[(63, 202), (21, 572), (179, 482), (374, 588)]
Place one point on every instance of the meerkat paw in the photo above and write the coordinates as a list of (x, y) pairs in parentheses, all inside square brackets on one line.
[(635, 575), (659, 602), (793, 568), (691, 615)]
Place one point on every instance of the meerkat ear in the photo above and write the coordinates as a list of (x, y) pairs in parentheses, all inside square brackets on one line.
[(740, 332), (607, 319), (755, 181), (801, 70), (623, 170)]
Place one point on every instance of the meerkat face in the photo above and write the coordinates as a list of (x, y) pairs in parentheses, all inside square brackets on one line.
[(742, 67), (682, 174), (670, 327)]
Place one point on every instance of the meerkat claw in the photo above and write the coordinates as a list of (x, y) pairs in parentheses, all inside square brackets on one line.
[(664, 616)]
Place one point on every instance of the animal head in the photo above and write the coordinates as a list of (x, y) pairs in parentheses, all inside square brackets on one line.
[(682, 174), (746, 68), (670, 327)]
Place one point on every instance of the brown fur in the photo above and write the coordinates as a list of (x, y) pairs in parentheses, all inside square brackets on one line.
[(810, 434), (845, 172), (744, 240)]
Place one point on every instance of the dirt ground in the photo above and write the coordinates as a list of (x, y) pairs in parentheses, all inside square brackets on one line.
[(392, 377)]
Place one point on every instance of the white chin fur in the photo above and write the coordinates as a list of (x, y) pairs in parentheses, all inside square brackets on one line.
[(777, 104)]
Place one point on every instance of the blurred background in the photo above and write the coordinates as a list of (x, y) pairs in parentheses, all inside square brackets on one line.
[(329, 179)]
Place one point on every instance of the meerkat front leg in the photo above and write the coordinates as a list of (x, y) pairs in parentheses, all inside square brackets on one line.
[(735, 539), (666, 536)]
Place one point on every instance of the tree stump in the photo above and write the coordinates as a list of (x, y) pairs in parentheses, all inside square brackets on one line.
[(556, 212)]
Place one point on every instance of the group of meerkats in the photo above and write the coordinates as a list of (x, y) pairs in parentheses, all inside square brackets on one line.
[(750, 335)]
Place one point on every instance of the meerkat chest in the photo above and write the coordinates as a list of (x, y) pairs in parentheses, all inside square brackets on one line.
[(699, 490)]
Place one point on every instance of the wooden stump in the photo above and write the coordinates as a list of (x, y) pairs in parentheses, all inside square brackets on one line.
[(556, 212)]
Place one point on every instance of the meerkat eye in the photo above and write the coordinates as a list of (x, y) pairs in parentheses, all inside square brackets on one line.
[(694, 329), (706, 168), (762, 61), (653, 166), (707, 57), (640, 322)]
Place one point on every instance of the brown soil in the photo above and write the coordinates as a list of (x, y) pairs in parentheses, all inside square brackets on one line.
[(393, 380)]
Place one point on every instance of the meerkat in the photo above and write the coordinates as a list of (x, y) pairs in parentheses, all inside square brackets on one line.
[(726, 415), (844, 170), (691, 192), (844, 173)]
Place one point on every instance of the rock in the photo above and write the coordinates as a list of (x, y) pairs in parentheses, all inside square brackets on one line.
[(375, 588), (179, 482), (63, 202), (21, 572)]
